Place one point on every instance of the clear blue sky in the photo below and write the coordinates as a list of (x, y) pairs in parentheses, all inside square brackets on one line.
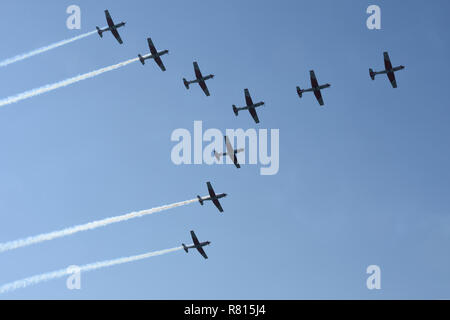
[(362, 181)]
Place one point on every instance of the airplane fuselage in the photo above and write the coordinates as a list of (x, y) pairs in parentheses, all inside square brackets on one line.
[(201, 244), (217, 197), (202, 79), (253, 106), (116, 26), (153, 56)]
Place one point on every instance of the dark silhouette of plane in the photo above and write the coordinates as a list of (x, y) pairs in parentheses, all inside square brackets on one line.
[(315, 87), (251, 107), (230, 152), (111, 27), (213, 197), (389, 70), (154, 54), (197, 245), (200, 79)]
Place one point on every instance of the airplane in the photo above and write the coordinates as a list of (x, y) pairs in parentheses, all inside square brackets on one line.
[(197, 245), (200, 79), (230, 152), (389, 70), (154, 54), (315, 87), (213, 197), (251, 107), (111, 27)]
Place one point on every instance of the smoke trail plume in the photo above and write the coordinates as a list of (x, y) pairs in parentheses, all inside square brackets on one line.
[(88, 267), (87, 226), (27, 55), (63, 83)]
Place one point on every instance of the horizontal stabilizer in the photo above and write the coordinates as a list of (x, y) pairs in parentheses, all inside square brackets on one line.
[(185, 248), (372, 74), (186, 84), (235, 110), (100, 32), (200, 200), (299, 92), (141, 59)]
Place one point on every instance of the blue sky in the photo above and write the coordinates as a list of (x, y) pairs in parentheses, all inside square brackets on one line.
[(362, 181)]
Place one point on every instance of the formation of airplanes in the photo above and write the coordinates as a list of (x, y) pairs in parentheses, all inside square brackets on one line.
[(250, 106)]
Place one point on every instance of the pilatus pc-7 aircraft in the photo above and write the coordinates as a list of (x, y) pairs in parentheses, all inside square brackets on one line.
[(389, 70), (230, 152), (111, 27), (200, 79), (197, 245), (251, 107), (315, 87), (213, 197), (154, 54)]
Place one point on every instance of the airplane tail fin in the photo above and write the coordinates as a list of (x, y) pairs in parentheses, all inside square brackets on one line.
[(372, 74), (200, 200), (141, 59), (100, 32), (235, 110), (185, 248), (186, 84), (299, 92)]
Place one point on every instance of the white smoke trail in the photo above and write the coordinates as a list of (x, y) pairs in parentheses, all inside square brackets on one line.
[(87, 226), (88, 267), (24, 56), (63, 83)]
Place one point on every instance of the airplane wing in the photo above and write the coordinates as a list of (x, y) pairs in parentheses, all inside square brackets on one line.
[(198, 73), (387, 61), (235, 161), (212, 194), (109, 20), (319, 97), (217, 204), (248, 98), (391, 77), (194, 238), (254, 114), (116, 35), (160, 63), (314, 82), (204, 87), (202, 252)]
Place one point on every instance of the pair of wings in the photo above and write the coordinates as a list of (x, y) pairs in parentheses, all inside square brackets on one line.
[(197, 245), (249, 102), (212, 194), (314, 84), (232, 153), (199, 76), (112, 27), (388, 66)]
